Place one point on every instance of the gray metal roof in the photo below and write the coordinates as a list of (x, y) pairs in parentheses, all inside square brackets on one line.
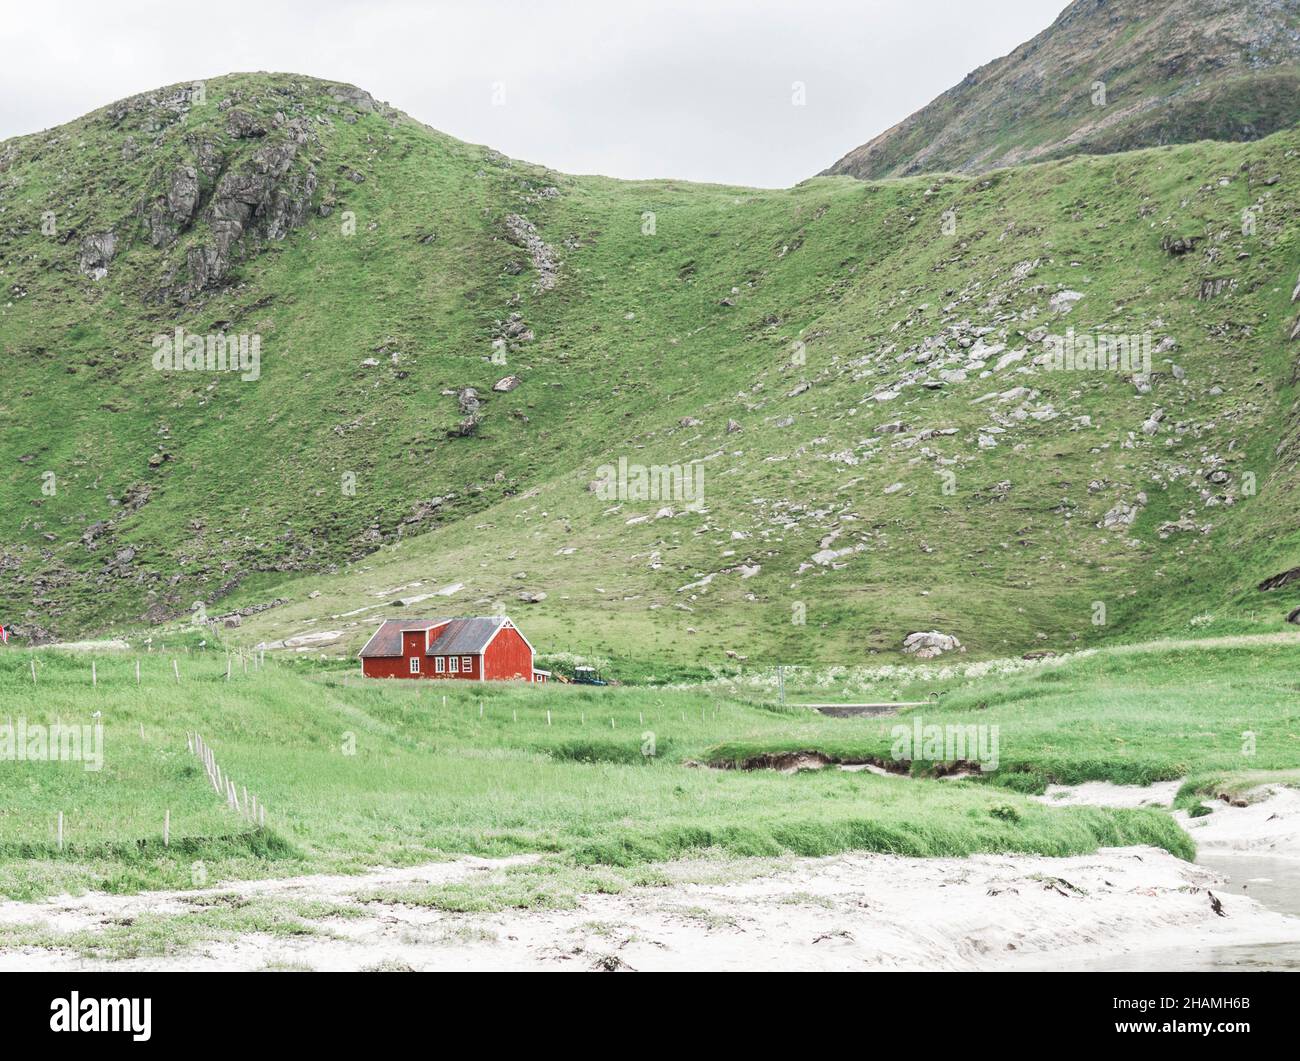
[(461, 637), (466, 635)]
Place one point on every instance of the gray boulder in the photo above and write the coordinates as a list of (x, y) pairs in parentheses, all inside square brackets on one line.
[(929, 644)]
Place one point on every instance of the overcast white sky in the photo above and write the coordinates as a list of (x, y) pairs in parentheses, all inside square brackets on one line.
[(693, 89)]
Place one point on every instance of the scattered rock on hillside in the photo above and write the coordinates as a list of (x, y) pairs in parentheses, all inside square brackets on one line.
[(532, 596), (1063, 301), (514, 329), (928, 644), (1176, 246), (1184, 525), (466, 427), (507, 384), (468, 400), (1123, 514), (523, 233)]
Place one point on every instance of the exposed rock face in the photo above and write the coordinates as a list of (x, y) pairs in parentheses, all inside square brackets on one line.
[(1104, 77), (928, 644), (1285, 578), (263, 199), (172, 212), (241, 125), (96, 252)]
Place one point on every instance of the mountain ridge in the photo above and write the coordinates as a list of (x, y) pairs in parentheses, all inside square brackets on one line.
[(1106, 76)]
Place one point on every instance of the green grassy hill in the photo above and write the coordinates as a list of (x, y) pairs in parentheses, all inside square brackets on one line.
[(853, 366)]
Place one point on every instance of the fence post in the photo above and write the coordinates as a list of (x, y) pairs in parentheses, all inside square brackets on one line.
[(176, 670), (167, 828), (33, 670), (137, 671), (94, 680), (60, 830)]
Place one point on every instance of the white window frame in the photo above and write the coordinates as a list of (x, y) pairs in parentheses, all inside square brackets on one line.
[(440, 664), (467, 664), (455, 664), (415, 664)]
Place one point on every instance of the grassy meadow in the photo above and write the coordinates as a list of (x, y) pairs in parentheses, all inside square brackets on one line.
[(356, 773)]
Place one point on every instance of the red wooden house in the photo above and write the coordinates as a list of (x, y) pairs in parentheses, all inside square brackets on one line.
[(475, 649)]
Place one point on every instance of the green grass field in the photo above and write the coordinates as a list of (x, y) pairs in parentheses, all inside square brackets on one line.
[(357, 774)]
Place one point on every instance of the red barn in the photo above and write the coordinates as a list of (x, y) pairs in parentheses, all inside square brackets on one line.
[(476, 649)]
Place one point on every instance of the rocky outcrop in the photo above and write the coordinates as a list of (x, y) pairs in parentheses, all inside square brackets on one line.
[(170, 213), (931, 643), (240, 125), (96, 252), (1277, 581), (265, 198)]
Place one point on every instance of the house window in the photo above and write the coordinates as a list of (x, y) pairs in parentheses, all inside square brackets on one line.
[(466, 664), (440, 664), (415, 664), (455, 664)]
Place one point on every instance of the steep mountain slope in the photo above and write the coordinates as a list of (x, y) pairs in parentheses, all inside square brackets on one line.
[(1107, 75), (861, 373)]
